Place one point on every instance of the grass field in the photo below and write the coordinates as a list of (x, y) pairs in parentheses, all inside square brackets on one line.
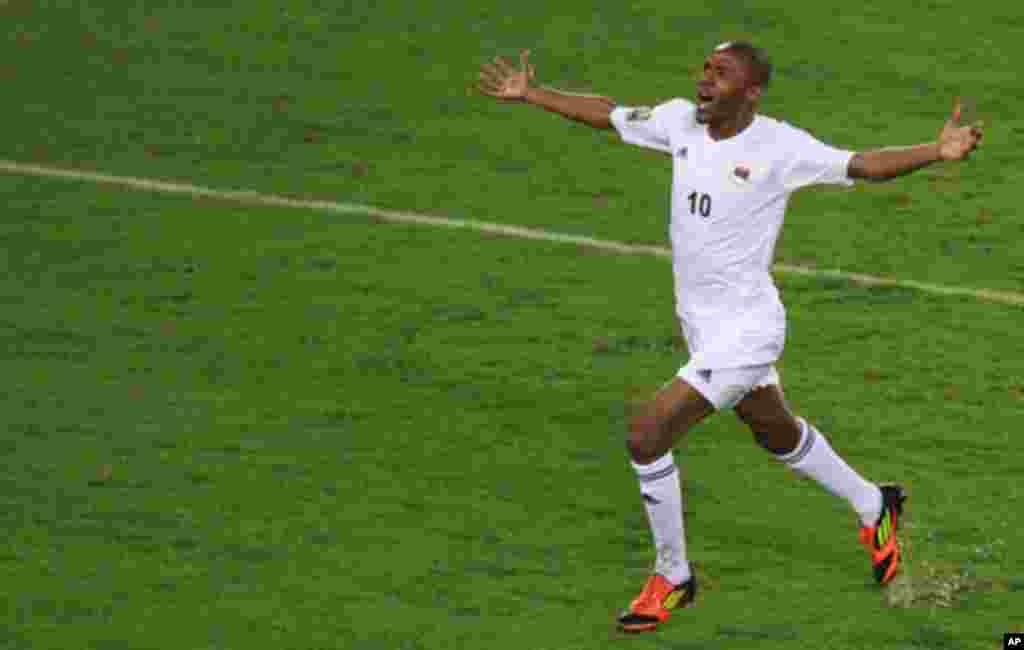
[(231, 426)]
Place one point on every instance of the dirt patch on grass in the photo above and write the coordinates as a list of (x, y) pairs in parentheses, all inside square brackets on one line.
[(933, 583)]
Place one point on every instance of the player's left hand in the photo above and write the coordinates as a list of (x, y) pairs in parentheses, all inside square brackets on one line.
[(956, 142)]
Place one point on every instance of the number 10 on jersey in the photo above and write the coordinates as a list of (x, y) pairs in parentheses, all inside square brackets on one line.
[(700, 204)]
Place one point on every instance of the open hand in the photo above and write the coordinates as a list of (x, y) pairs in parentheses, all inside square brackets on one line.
[(503, 81), (956, 141)]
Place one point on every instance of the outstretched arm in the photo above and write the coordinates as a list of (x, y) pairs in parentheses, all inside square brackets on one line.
[(502, 81), (955, 143)]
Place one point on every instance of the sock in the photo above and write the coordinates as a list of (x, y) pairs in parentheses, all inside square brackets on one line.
[(815, 458), (663, 498)]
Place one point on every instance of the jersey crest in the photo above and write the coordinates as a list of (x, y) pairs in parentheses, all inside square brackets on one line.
[(741, 174)]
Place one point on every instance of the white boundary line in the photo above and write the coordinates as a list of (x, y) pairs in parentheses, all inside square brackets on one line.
[(521, 232)]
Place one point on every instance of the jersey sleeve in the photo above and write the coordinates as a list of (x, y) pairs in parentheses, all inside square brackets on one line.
[(645, 126), (812, 162)]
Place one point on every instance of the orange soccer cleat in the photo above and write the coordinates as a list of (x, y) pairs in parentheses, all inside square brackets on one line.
[(655, 603), (880, 539)]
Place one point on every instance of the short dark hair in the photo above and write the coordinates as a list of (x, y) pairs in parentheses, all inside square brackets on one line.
[(755, 58)]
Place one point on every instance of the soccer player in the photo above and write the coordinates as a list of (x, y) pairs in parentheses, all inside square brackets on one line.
[(733, 172)]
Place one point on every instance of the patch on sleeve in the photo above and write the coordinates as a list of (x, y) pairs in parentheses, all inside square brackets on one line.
[(641, 114)]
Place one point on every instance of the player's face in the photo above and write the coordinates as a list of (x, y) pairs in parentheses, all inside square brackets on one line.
[(724, 88)]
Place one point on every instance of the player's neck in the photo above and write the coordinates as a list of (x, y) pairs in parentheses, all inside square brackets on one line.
[(732, 126)]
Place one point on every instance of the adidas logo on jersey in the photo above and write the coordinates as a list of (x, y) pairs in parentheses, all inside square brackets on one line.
[(641, 114)]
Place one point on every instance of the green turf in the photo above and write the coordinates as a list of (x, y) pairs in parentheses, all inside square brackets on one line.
[(340, 100), (238, 427)]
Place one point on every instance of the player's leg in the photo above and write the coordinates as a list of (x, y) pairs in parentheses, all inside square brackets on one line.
[(798, 444), (795, 442), (653, 431), (660, 423)]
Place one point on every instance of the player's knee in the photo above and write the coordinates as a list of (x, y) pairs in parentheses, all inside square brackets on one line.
[(778, 437), (642, 449), (644, 440), (772, 443)]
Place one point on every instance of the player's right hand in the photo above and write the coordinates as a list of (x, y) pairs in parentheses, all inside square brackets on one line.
[(503, 81)]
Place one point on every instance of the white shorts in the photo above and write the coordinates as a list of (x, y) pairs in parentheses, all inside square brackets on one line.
[(725, 387)]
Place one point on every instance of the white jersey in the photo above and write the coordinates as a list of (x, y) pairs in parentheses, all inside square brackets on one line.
[(728, 202)]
